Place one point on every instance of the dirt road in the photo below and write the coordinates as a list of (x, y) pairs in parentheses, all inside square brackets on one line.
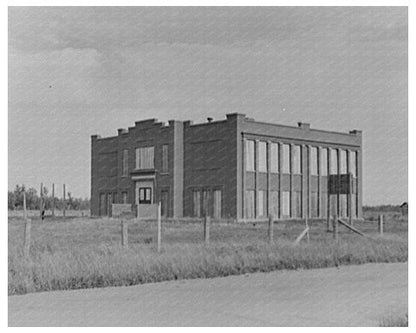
[(349, 296)]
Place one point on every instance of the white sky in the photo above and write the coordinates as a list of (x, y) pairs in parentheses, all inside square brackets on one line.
[(77, 71)]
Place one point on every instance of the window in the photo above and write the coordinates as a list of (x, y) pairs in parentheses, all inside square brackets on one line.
[(324, 162), (262, 204), (274, 158), (249, 155), (343, 205), (217, 204), (297, 166), (125, 164), (262, 156), (249, 204), (274, 201), (196, 200), (353, 163), (145, 158), (354, 205), (297, 203), (314, 161), (164, 198), (286, 159), (314, 204), (109, 203), (145, 195), (334, 161), (165, 158), (286, 204), (343, 161), (103, 206), (124, 197), (324, 204)]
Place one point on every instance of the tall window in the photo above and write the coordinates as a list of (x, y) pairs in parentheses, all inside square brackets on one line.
[(125, 164), (314, 204), (196, 200), (298, 204), (217, 204), (343, 161), (334, 161), (261, 204), (249, 151), (286, 204), (206, 203), (324, 162), (165, 158), (145, 158), (353, 163), (262, 156), (274, 200), (286, 159), (297, 167), (274, 158), (314, 161), (164, 194), (249, 204)]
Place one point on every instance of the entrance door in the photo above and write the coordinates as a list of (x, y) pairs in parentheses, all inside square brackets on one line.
[(143, 196)]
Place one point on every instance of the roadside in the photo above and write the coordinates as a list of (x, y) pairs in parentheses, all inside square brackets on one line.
[(347, 296)]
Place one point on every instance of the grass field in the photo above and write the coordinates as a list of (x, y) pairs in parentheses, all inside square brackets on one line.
[(86, 253)]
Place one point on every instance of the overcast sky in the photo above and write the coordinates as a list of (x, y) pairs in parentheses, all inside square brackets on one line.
[(78, 71)]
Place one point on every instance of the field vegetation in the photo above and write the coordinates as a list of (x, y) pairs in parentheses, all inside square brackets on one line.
[(86, 253)]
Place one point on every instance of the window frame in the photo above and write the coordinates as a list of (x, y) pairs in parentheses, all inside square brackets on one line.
[(138, 161)]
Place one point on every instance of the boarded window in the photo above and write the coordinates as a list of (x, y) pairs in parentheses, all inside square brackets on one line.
[(109, 203), (125, 163), (249, 152), (196, 203), (286, 159), (324, 162), (217, 204), (262, 156), (314, 204), (262, 204), (343, 161), (124, 197), (145, 158), (165, 158), (164, 206), (333, 155), (249, 204), (297, 209), (297, 160), (353, 163), (286, 204), (274, 158), (274, 201), (206, 203), (103, 206), (314, 161)]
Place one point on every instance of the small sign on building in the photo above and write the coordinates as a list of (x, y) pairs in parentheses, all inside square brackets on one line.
[(119, 210)]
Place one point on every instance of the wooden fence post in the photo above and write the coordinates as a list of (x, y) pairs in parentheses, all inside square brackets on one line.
[(270, 231), (26, 244), (124, 233), (335, 227), (207, 222), (53, 200), (380, 224), (24, 206), (64, 203), (41, 200), (159, 228)]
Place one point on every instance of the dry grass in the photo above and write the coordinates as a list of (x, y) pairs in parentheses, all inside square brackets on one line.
[(395, 321), (86, 253)]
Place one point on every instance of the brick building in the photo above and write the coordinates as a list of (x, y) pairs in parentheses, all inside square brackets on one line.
[(236, 168)]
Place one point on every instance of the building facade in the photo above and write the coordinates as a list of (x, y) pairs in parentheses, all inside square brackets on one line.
[(236, 168)]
